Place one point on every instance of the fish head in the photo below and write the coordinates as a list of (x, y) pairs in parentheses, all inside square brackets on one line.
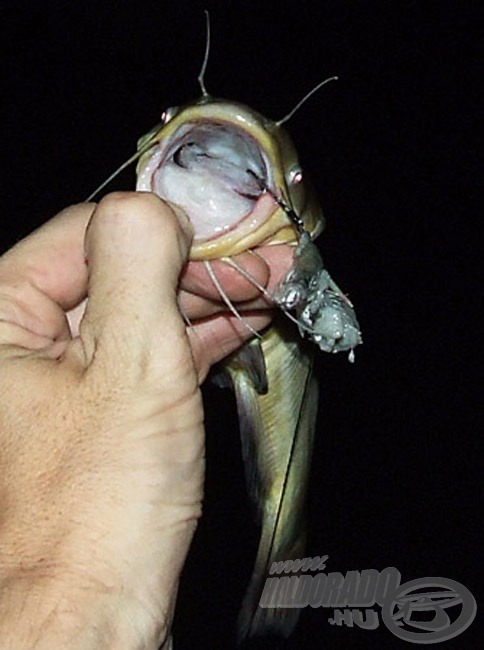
[(231, 170)]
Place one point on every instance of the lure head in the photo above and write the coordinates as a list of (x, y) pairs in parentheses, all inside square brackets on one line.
[(233, 171)]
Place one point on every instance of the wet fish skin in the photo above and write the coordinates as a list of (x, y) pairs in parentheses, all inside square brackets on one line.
[(277, 432)]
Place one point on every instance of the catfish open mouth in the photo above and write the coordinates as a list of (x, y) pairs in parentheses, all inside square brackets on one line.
[(217, 173)]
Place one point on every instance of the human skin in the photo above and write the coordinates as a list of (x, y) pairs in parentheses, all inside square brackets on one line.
[(101, 418)]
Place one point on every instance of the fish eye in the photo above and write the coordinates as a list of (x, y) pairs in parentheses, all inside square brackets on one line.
[(295, 176), (169, 114)]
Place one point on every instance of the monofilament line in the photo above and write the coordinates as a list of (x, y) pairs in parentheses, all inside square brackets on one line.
[(227, 300)]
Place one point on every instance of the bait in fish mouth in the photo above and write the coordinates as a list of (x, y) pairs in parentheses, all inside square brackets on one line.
[(237, 176)]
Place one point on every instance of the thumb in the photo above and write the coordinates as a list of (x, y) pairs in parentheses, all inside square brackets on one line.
[(136, 246)]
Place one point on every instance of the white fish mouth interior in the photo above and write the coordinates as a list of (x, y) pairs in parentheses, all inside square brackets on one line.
[(214, 171)]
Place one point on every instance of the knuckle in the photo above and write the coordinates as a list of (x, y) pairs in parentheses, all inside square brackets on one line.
[(137, 208), (15, 298), (127, 202)]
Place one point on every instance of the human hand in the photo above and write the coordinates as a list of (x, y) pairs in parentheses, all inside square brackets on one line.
[(101, 422)]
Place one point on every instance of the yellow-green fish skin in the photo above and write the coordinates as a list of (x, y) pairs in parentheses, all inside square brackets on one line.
[(277, 430)]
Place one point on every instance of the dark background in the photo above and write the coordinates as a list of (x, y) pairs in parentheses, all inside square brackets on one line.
[(392, 149)]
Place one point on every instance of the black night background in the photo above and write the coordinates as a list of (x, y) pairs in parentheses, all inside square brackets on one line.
[(392, 150)]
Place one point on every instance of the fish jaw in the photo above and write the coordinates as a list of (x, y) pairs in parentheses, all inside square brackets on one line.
[(242, 162)]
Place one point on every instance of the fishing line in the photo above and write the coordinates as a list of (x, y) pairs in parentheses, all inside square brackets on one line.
[(249, 277), (293, 216), (185, 316), (305, 394), (227, 300), (263, 290)]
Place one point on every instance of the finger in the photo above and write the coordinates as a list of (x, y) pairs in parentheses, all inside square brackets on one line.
[(279, 260), (136, 247), (196, 279), (215, 338), (275, 259), (266, 265), (241, 282), (273, 262), (192, 307), (195, 307), (43, 276)]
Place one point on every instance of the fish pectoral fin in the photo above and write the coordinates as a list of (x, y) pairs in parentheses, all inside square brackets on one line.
[(249, 361), (247, 370), (168, 645)]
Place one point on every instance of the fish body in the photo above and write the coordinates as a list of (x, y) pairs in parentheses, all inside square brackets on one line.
[(277, 421), (237, 174)]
